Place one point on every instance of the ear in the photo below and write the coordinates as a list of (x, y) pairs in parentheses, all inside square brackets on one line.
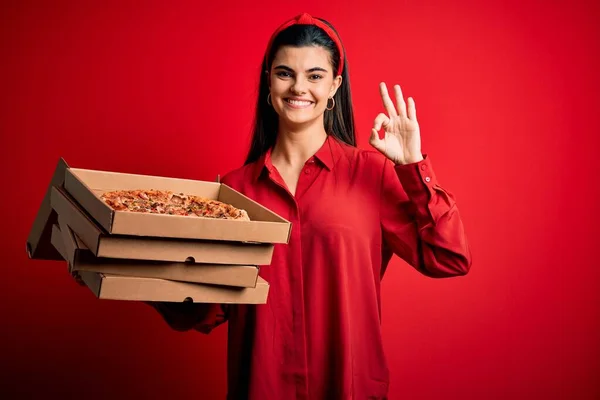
[(337, 82), (268, 78)]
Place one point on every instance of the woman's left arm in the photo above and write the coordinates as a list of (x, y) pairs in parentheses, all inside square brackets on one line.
[(421, 222), (420, 219)]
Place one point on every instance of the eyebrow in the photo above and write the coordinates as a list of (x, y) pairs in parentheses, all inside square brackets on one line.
[(286, 68)]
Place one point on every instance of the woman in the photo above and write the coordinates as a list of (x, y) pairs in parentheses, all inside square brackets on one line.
[(319, 335)]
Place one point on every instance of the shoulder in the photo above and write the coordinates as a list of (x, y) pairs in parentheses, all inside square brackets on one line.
[(368, 160), (237, 177)]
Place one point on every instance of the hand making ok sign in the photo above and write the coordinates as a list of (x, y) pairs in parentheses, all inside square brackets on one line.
[(401, 142)]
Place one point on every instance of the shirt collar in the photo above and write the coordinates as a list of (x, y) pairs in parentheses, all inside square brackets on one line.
[(325, 153), (328, 155)]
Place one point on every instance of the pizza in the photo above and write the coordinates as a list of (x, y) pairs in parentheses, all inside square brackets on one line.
[(170, 203)]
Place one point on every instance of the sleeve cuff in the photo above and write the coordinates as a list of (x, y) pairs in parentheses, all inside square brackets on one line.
[(417, 179)]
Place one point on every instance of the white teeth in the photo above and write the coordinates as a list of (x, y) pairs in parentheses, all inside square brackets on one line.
[(298, 102)]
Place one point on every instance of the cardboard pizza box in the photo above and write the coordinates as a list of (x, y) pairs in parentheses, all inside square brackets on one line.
[(115, 287), (118, 287), (86, 186), (101, 244), (38, 241), (81, 259)]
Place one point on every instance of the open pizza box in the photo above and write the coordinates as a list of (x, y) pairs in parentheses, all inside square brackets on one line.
[(111, 245), (86, 187), (102, 244), (112, 285), (81, 259)]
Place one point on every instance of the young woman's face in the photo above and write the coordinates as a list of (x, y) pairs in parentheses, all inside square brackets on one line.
[(301, 82)]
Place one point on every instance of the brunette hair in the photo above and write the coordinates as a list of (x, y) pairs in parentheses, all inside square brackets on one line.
[(338, 122)]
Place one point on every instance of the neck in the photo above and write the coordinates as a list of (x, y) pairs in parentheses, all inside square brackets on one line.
[(295, 145)]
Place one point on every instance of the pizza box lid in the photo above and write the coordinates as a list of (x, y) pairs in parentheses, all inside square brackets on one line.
[(38, 241), (86, 186)]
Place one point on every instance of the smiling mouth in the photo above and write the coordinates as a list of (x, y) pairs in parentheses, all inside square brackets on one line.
[(298, 103)]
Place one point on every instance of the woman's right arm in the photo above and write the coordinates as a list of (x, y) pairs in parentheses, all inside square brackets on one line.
[(203, 317)]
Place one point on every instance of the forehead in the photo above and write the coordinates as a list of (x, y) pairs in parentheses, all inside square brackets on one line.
[(305, 57)]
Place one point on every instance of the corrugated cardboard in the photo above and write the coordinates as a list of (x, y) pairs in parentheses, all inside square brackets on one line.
[(114, 287), (38, 242), (81, 259), (101, 244), (86, 187)]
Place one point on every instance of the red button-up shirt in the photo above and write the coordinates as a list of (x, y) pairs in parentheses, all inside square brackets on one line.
[(319, 335)]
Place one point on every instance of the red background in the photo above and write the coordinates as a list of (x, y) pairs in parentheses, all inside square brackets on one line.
[(507, 99)]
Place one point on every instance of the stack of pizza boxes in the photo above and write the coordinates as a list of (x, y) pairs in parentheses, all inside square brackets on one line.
[(122, 255)]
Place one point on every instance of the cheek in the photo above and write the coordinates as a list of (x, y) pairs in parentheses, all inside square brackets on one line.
[(322, 100), (323, 92), (279, 88)]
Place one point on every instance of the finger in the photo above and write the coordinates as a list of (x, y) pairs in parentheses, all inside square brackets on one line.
[(375, 141), (412, 109), (387, 102), (400, 100), (381, 120)]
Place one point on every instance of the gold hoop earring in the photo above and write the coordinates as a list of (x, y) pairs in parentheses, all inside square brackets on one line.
[(333, 106), (269, 99)]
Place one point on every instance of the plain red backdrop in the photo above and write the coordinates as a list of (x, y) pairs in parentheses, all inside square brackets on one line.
[(507, 99)]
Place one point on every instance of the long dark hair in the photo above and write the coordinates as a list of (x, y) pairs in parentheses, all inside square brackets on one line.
[(338, 122)]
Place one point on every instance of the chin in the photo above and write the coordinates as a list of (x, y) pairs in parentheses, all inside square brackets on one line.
[(298, 118), (296, 121)]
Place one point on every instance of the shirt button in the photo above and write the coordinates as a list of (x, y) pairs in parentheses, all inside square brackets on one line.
[(427, 179), (423, 167), (307, 171)]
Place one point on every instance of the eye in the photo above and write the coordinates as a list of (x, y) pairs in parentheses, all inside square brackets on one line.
[(283, 74), (315, 77)]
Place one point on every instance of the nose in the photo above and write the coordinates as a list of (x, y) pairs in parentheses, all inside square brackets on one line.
[(299, 86)]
